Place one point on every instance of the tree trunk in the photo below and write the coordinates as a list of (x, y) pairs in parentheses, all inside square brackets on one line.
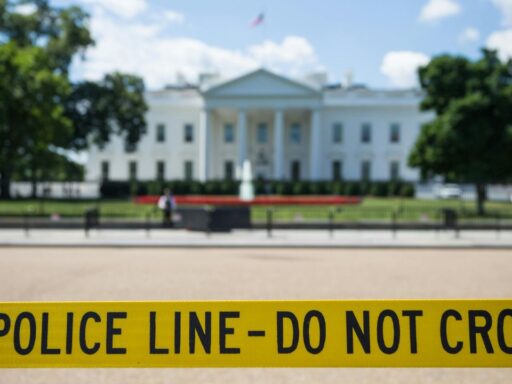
[(5, 183), (480, 199)]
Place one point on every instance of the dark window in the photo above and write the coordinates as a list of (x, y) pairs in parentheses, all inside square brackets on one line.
[(295, 133), (229, 170), (188, 170), (262, 133), (130, 147), (337, 170), (394, 133), (105, 170), (337, 133), (160, 133), (366, 169), (160, 170), (394, 170), (366, 133), (188, 133), (295, 170), (132, 170), (229, 133)]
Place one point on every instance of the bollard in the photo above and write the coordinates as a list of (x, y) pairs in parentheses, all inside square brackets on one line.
[(269, 222)]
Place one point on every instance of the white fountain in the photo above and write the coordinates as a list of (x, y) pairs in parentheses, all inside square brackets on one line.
[(246, 192)]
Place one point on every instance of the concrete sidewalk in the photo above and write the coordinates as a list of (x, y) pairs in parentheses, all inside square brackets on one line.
[(258, 239)]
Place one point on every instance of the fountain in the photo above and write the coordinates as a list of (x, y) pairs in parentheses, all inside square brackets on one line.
[(246, 192)]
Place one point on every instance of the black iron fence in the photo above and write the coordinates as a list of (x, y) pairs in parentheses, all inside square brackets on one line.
[(280, 217)]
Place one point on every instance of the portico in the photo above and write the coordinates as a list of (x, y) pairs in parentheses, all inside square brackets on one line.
[(276, 126)]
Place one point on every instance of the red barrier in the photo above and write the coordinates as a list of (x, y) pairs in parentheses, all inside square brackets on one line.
[(259, 200)]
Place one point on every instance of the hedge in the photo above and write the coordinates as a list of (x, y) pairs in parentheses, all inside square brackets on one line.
[(120, 189)]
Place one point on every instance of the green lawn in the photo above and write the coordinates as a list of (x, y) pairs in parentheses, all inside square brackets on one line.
[(370, 209)]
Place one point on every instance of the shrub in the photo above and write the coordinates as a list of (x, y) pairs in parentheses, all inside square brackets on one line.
[(115, 189), (379, 189), (407, 190), (352, 189)]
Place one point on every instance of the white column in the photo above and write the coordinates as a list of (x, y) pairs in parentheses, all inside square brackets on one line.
[(203, 140), (278, 145), (242, 142), (314, 152)]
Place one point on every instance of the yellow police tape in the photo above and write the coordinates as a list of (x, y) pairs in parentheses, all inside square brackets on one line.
[(359, 333)]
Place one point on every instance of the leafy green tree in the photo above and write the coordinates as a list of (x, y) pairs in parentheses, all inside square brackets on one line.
[(42, 113), (470, 140)]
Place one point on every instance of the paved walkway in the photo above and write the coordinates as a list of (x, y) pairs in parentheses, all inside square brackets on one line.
[(259, 239), (48, 274)]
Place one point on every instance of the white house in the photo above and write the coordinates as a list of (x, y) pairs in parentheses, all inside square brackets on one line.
[(287, 129)]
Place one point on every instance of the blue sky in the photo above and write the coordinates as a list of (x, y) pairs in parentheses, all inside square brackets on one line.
[(381, 42)]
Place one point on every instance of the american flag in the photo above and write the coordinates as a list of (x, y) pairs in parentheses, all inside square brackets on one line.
[(259, 20)]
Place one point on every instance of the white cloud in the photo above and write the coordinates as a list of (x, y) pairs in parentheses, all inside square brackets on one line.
[(502, 42), (174, 17), (294, 55), (124, 8), (142, 49), (439, 9), (469, 35), (400, 67), (505, 7)]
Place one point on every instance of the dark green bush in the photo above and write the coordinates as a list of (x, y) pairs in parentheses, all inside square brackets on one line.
[(407, 190), (352, 189), (379, 189), (124, 189)]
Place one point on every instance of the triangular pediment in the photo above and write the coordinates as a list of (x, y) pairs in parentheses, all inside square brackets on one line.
[(262, 83)]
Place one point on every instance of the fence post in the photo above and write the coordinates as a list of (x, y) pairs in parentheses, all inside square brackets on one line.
[(148, 215), (269, 222), (393, 223), (498, 225), (208, 221), (331, 222), (87, 222), (26, 224)]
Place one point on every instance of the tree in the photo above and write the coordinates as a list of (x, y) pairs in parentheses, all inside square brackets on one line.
[(43, 114), (470, 139)]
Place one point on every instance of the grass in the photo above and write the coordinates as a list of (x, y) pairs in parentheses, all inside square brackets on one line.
[(378, 209)]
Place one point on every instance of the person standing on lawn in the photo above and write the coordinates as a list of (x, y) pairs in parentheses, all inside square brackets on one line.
[(167, 204)]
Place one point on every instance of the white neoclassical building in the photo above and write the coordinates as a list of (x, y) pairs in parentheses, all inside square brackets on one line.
[(287, 128)]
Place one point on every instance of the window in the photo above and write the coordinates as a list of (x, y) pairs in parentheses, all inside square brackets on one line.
[(104, 170), (366, 170), (229, 133), (160, 133), (229, 170), (394, 170), (160, 170), (188, 170), (262, 133), (295, 171), (337, 133), (394, 133), (366, 133), (295, 133), (132, 170), (337, 170), (188, 133), (130, 147)]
